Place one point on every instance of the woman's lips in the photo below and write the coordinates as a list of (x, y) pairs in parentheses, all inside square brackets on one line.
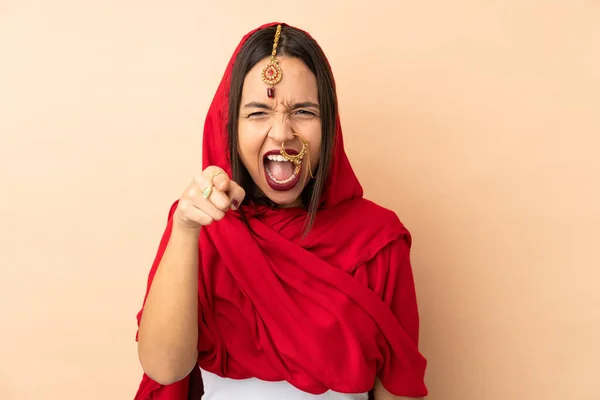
[(275, 184)]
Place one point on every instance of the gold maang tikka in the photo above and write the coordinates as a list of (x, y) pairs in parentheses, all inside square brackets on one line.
[(297, 159), (271, 73)]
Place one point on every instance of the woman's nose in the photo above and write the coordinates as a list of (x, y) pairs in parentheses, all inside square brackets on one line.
[(281, 131)]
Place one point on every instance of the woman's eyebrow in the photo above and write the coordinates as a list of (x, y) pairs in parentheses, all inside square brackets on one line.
[(256, 104), (304, 104), (264, 106)]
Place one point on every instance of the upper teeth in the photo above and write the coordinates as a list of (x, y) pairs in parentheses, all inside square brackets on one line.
[(276, 157)]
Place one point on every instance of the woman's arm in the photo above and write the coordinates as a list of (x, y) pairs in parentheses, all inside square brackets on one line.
[(394, 282), (168, 327), (380, 393), (168, 333)]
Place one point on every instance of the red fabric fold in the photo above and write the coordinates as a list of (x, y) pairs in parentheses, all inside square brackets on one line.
[(331, 311)]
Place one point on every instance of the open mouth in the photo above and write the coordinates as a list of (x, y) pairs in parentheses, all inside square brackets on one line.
[(281, 174)]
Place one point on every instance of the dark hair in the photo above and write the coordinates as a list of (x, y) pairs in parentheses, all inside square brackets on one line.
[(292, 43)]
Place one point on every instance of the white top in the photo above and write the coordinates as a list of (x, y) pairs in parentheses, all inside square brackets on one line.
[(217, 388)]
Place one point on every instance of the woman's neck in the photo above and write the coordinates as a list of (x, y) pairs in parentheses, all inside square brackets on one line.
[(262, 198)]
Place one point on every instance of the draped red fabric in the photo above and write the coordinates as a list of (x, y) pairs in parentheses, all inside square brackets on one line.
[(329, 311)]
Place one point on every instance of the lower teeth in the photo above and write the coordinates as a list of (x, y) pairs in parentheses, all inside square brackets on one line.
[(291, 178)]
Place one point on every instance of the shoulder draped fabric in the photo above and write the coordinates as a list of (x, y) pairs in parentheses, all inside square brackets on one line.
[(332, 311)]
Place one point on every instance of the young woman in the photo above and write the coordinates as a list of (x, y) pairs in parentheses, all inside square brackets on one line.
[(275, 278)]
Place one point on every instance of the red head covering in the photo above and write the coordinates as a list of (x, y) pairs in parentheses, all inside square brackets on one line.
[(333, 310), (342, 184)]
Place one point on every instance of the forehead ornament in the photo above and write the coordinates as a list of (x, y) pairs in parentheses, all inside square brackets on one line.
[(271, 73)]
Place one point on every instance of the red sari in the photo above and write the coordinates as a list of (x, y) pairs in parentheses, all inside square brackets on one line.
[(331, 311)]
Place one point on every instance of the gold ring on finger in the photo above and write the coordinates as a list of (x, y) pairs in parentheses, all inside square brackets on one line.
[(217, 173)]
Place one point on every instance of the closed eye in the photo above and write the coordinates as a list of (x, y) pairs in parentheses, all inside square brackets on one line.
[(257, 114), (305, 113)]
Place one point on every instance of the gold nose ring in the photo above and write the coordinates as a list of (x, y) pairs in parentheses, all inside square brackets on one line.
[(297, 159)]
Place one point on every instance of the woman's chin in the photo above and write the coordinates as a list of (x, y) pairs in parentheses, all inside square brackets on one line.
[(285, 199)]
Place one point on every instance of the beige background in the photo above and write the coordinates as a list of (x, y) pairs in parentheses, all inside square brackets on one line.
[(480, 128)]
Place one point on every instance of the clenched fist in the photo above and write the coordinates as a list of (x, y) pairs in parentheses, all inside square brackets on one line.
[(206, 200)]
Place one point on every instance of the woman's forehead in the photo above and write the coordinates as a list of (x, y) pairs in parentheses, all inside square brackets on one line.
[(298, 83)]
